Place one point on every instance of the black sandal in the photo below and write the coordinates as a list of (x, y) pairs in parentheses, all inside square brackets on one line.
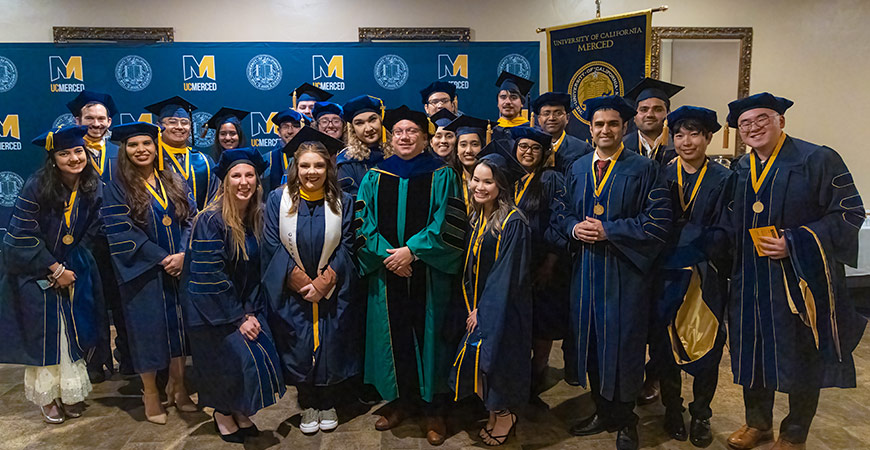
[(499, 440)]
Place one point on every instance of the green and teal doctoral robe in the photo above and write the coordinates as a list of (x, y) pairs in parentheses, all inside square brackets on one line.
[(414, 203)]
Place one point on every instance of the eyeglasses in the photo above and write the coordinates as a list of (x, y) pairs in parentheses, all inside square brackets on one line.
[(174, 122), (554, 114), (439, 101), (408, 132), (535, 148), (324, 122), (760, 121)]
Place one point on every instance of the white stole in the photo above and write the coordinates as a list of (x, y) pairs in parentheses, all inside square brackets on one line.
[(287, 230)]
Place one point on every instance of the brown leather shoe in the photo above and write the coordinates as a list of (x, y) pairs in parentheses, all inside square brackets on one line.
[(436, 430), (782, 444), (649, 393), (391, 419), (747, 437)]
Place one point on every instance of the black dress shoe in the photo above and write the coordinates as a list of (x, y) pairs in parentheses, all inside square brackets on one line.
[(237, 437), (649, 393), (700, 432), (593, 424), (627, 438), (674, 425), (96, 375), (251, 431)]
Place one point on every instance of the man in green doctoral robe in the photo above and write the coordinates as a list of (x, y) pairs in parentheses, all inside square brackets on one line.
[(409, 246)]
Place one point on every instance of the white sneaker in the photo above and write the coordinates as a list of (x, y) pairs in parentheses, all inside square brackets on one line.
[(328, 420), (310, 421)]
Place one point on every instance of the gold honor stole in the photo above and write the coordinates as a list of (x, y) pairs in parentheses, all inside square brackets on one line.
[(510, 123), (67, 216), (172, 151), (551, 161), (757, 181), (599, 187), (97, 146), (683, 202)]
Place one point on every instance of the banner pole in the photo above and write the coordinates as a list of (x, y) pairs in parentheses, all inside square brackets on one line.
[(662, 8)]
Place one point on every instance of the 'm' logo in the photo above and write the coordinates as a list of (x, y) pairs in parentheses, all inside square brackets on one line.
[(129, 118), (261, 124), (72, 68), (449, 67), (334, 68), (203, 68), (10, 127)]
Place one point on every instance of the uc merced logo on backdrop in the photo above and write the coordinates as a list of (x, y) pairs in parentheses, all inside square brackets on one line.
[(328, 74), (10, 185), (594, 79), (516, 64), (66, 75), (133, 73), (10, 133), (264, 72), (8, 74), (454, 69), (264, 133), (198, 72), (391, 72)]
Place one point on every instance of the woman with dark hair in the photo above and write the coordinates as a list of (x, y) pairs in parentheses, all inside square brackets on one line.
[(472, 135), (535, 195), (367, 142), (46, 269), (493, 358), (147, 214), (227, 126), (309, 278), (236, 368), (443, 142)]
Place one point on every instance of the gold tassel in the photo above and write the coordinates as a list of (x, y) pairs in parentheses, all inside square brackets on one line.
[(726, 140), (531, 119), (432, 127), (383, 128), (665, 133), (159, 149), (294, 100), (488, 132), (49, 141)]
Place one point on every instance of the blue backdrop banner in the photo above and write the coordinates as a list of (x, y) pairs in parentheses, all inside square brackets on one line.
[(37, 80), (600, 57)]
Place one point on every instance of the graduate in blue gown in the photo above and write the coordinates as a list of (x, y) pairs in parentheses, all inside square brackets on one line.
[(310, 277), (443, 142), (552, 111), (147, 215), (617, 216), (492, 360), (96, 110), (305, 97), (688, 319), (288, 122), (513, 92), (549, 264), (49, 283), (792, 325), (367, 143), (328, 119), (236, 368), (472, 135), (652, 99), (228, 133), (196, 168)]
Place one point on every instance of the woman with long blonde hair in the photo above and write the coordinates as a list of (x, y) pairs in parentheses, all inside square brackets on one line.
[(235, 365), (308, 243), (367, 141), (147, 215)]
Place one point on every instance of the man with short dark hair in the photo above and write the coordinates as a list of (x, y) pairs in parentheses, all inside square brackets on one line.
[(512, 93), (95, 110), (551, 112), (439, 95), (652, 99)]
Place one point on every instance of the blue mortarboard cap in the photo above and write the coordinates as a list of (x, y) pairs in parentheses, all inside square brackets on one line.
[(500, 154), (615, 102), (438, 86), (321, 108), (288, 115), (552, 99), (224, 115), (64, 138), (707, 117), (442, 118), (309, 134), (361, 104), (524, 132), (514, 83), (120, 133), (172, 107), (394, 116), (87, 97), (652, 88), (762, 100), (307, 92), (232, 157), (466, 124)]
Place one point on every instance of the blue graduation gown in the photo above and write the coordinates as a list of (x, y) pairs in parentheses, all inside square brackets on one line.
[(663, 154), (292, 318), (496, 282), (609, 287), (29, 316), (149, 296), (692, 286), (202, 181), (809, 193), (570, 150), (351, 171), (276, 174), (230, 372)]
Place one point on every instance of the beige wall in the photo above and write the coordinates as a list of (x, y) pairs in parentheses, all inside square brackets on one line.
[(814, 52)]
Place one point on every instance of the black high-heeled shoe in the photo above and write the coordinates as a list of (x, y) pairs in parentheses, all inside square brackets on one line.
[(500, 440), (237, 437), (251, 431)]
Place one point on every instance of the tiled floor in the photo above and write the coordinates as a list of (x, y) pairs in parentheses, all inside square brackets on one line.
[(115, 420)]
